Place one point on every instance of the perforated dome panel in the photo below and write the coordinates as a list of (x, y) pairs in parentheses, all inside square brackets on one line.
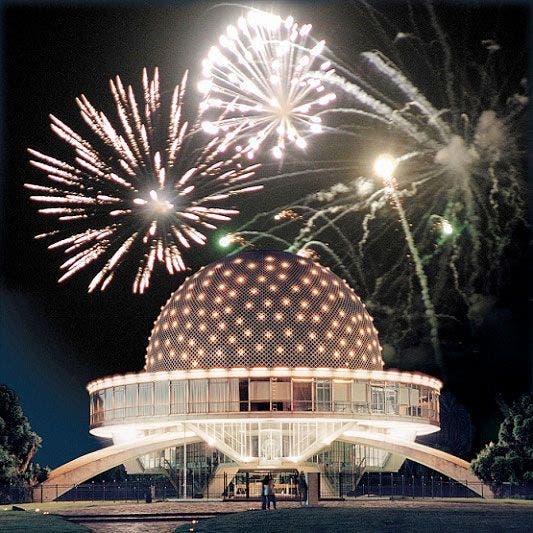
[(263, 309)]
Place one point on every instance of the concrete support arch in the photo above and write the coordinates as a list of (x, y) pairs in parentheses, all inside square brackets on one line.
[(445, 463), (87, 466), (63, 478)]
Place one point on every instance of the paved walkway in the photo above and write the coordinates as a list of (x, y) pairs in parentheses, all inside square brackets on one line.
[(161, 517), (143, 517)]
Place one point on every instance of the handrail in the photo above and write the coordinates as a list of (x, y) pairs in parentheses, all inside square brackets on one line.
[(211, 408)]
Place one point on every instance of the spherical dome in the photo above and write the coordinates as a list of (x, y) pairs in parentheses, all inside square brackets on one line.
[(263, 309)]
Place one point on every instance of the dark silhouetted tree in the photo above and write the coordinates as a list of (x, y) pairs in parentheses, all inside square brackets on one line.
[(18, 443), (511, 458)]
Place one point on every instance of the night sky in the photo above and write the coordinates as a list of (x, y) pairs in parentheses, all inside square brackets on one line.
[(56, 338)]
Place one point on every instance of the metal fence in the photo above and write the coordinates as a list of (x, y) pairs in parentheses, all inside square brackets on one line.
[(394, 485), (239, 487), (248, 487)]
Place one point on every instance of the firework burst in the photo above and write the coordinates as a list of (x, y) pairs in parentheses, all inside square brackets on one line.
[(260, 82), (143, 187), (435, 240)]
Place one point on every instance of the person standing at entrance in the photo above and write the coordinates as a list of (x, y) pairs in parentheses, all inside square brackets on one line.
[(264, 492), (271, 493), (302, 489)]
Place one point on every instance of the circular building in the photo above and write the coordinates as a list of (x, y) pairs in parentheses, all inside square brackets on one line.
[(263, 361)]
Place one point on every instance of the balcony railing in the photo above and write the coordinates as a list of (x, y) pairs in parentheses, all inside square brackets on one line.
[(128, 412)]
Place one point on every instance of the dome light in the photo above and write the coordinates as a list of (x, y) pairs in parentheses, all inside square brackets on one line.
[(313, 328)]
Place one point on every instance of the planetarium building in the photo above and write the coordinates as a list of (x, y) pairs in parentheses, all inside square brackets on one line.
[(262, 361)]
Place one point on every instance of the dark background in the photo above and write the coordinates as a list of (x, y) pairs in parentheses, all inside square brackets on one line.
[(56, 338)]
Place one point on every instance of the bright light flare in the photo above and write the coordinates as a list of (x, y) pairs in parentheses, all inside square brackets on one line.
[(225, 241), (231, 239), (384, 167), (446, 228), (262, 83)]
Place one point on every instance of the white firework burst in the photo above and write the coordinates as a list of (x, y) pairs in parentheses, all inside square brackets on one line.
[(261, 82), (143, 188)]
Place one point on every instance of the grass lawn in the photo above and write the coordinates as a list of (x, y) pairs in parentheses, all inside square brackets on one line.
[(29, 521), (458, 519), (52, 507)]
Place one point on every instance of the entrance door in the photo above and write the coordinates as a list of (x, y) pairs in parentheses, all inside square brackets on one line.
[(248, 484)]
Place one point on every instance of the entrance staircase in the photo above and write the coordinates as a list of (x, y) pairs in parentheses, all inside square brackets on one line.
[(335, 482), (220, 479)]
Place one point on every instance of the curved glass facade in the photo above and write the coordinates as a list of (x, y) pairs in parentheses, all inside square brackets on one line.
[(231, 396)]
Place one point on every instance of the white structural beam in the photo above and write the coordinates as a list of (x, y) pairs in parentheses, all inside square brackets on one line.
[(87, 466), (442, 462), (65, 477), (214, 436), (323, 439)]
